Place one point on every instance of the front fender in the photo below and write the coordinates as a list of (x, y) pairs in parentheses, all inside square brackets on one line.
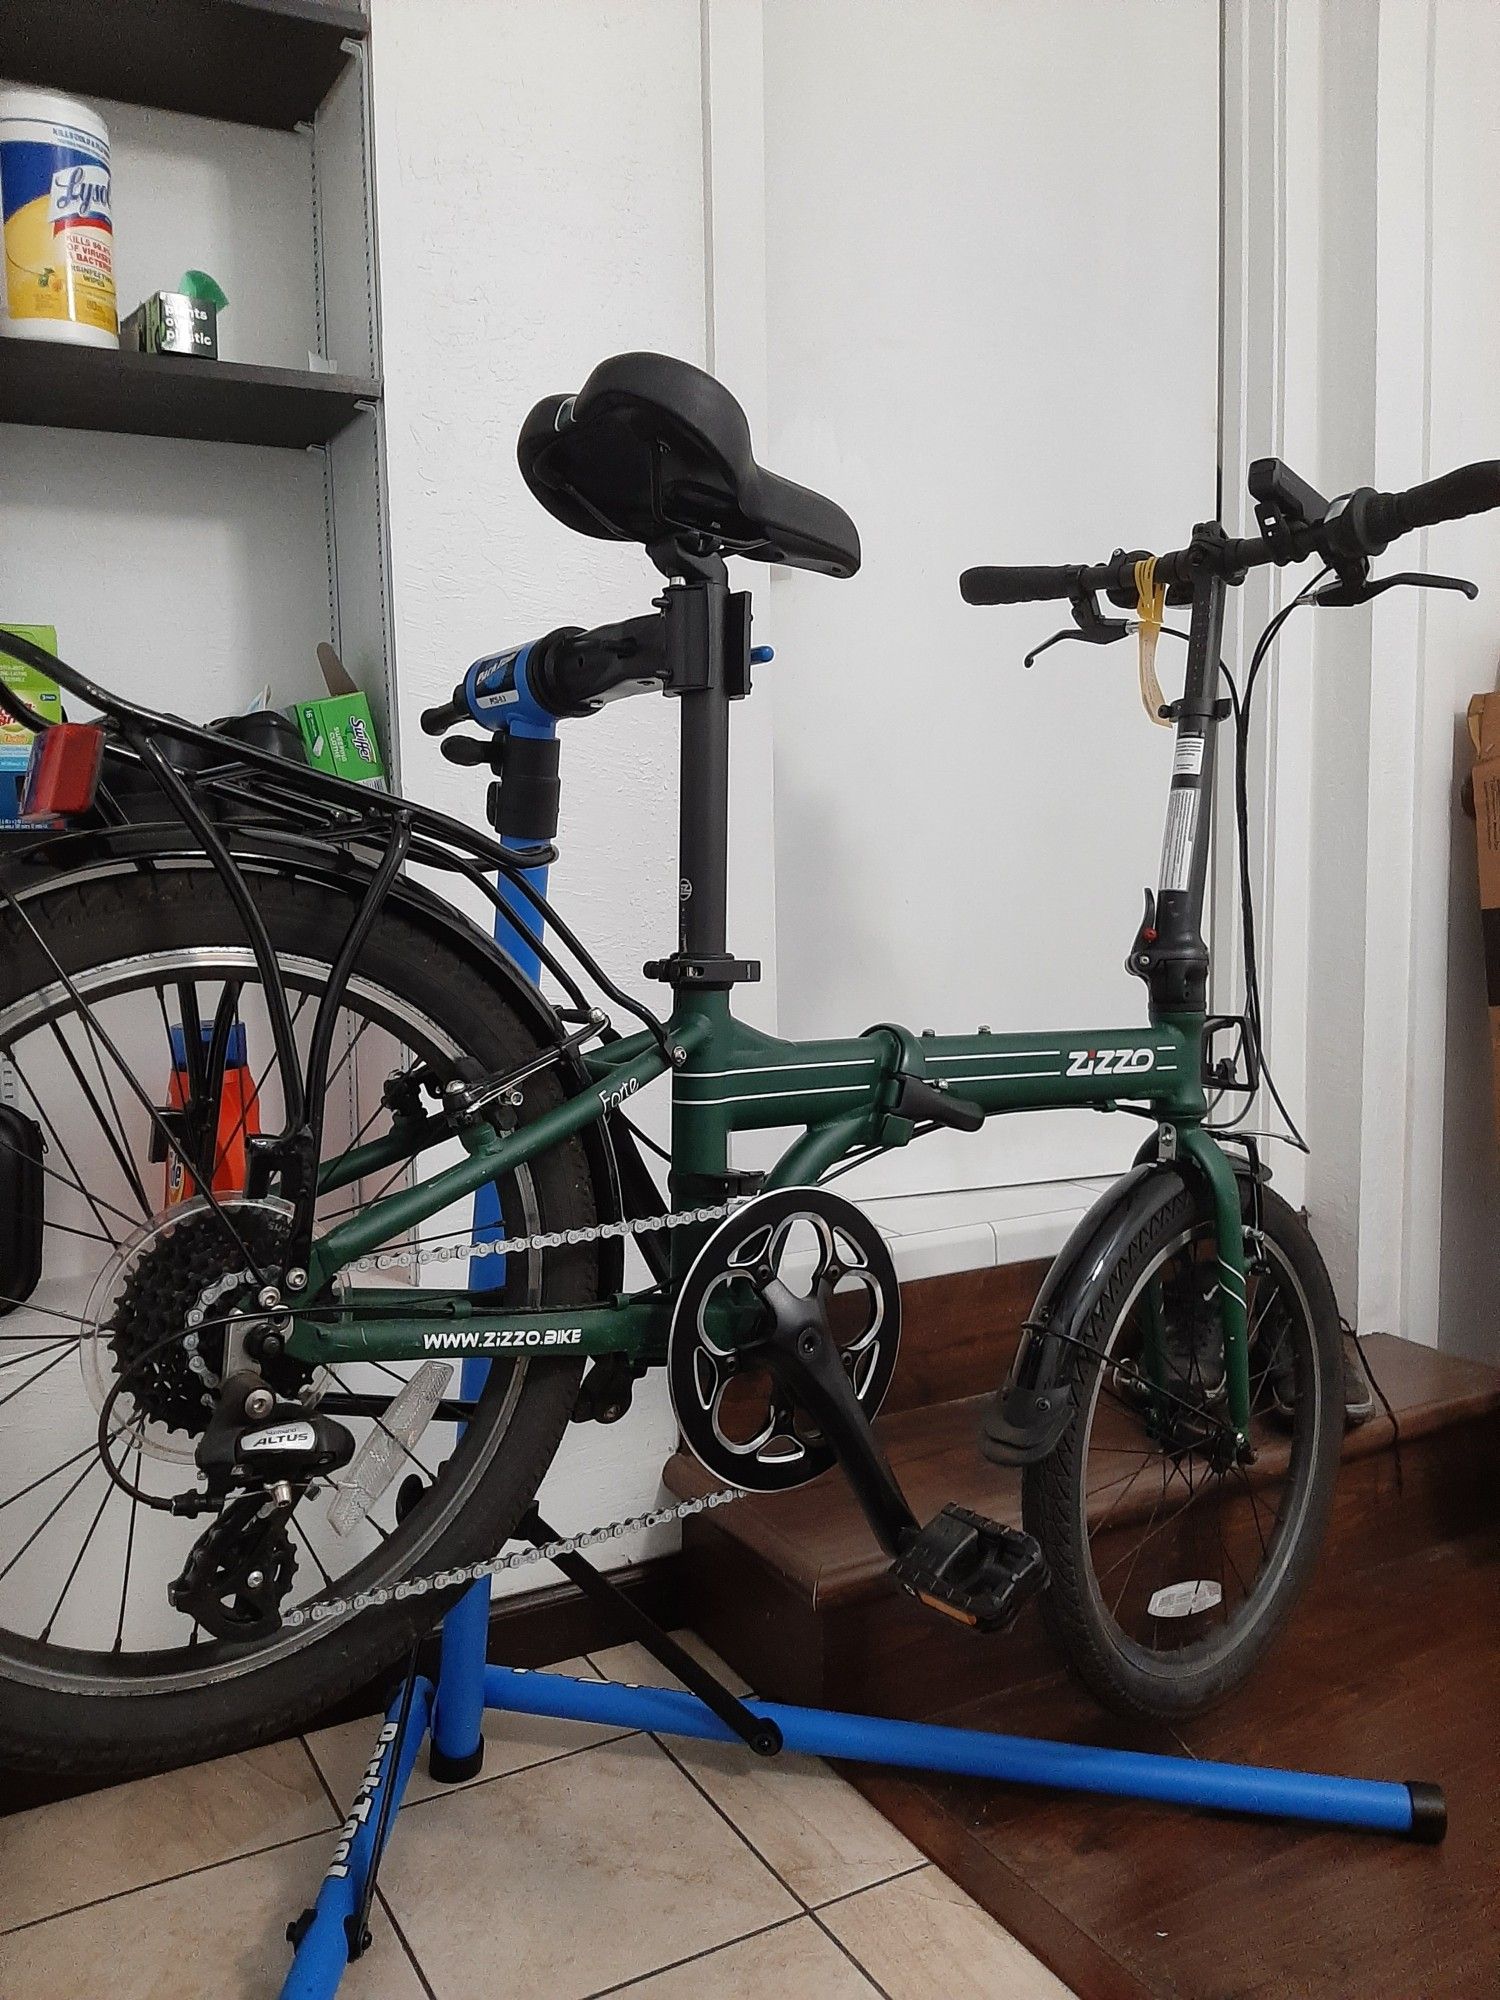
[(1031, 1410)]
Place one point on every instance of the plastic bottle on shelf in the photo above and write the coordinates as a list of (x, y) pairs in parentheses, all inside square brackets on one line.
[(55, 212)]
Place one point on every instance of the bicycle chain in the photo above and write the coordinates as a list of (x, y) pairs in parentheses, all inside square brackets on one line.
[(469, 1573), (554, 1239), (324, 1608)]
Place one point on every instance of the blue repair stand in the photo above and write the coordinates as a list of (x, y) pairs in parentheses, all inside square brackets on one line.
[(336, 1929)]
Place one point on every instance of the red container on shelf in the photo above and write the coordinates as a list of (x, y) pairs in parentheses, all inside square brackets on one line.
[(239, 1115)]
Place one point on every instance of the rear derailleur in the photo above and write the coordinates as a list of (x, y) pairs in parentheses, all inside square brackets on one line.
[(259, 1458)]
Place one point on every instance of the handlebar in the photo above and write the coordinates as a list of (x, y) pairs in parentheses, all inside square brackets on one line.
[(1472, 489), (1352, 530)]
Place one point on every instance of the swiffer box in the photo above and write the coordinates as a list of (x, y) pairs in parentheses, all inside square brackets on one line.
[(1484, 732), (338, 733)]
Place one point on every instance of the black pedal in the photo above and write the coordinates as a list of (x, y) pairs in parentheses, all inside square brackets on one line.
[(972, 1569)]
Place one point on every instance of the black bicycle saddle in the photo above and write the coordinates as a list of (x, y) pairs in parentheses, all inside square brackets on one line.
[(653, 450)]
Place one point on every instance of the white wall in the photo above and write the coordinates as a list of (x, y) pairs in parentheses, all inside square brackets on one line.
[(540, 191), (1381, 149), (968, 254), (850, 213)]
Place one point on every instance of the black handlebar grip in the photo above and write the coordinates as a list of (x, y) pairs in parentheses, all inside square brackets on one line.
[(436, 720), (1472, 489), (1378, 518), (1008, 583)]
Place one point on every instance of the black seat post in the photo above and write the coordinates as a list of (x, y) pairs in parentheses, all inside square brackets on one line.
[(700, 610), (703, 823)]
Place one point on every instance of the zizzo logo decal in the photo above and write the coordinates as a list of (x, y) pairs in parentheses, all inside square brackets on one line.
[(1109, 1062), (521, 1336)]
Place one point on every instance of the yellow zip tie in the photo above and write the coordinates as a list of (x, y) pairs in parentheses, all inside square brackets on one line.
[(1150, 606)]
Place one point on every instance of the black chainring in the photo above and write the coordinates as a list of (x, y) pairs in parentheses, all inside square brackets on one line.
[(163, 1288), (734, 1418)]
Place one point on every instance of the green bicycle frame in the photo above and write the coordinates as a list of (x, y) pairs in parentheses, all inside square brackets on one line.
[(840, 1096)]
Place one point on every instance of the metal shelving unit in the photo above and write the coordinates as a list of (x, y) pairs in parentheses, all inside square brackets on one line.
[(148, 395), (299, 67), (258, 62)]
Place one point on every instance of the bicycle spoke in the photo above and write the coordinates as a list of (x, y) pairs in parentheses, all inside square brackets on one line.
[(17, 1360), (35, 1536), (303, 1537), (110, 1491), (48, 1312), (78, 1184), (122, 1157), (135, 1503), (128, 1075), (91, 1449), (131, 1174), (359, 1034), (1140, 1545), (1255, 1511), (31, 1381)]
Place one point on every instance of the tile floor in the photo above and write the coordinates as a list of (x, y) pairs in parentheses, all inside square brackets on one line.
[(583, 1861)]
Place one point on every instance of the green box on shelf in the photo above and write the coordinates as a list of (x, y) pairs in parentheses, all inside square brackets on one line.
[(34, 688), (338, 733)]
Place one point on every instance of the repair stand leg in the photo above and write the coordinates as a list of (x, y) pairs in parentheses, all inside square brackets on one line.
[(458, 1720), (1415, 1809), (458, 1714), (324, 1936)]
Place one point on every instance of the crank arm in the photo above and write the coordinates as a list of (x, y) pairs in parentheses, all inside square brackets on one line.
[(804, 1362)]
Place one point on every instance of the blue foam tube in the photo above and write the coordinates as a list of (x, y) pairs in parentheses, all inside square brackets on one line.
[(925, 1746), (323, 1949)]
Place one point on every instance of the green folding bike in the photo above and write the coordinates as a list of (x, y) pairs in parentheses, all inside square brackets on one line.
[(317, 1205)]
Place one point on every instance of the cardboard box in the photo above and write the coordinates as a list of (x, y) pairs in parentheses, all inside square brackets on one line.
[(35, 689), (1484, 733), (338, 733)]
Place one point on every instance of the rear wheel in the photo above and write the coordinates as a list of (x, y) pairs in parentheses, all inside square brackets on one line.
[(1172, 1565), (103, 988)]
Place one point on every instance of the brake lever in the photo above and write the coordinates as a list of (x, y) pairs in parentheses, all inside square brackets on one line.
[(1349, 590), (1087, 625)]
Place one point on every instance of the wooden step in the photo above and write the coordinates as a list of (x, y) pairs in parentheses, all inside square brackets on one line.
[(794, 1592)]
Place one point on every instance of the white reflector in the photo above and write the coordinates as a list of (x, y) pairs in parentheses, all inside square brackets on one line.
[(1182, 1600), (383, 1452)]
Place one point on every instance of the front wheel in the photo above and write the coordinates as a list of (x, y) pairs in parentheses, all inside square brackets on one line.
[(1172, 1565)]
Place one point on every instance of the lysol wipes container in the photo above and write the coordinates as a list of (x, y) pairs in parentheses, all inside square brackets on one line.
[(55, 213)]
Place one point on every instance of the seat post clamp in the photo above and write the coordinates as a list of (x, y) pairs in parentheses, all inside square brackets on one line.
[(712, 972)]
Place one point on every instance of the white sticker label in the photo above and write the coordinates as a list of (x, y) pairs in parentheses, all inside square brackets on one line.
[(1187, 758), (1177, 841), (1182, 1600), (280, 1437)]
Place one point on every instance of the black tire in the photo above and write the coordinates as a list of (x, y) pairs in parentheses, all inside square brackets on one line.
[(1111, 1661), (73, 1715)]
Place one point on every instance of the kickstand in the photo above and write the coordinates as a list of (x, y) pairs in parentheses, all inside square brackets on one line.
[(758, 1731), (358, 1924)]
